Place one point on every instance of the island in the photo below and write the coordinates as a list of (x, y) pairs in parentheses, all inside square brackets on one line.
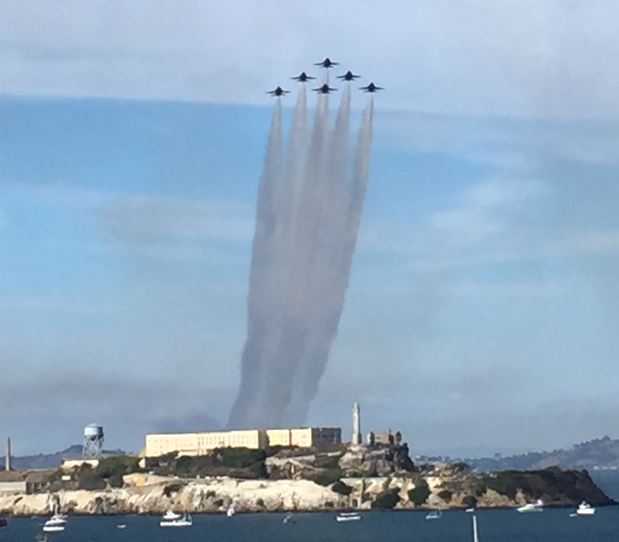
[(284, 479)]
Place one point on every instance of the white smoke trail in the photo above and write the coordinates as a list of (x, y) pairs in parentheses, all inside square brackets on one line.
[(261, 286), (301, 253), (328, 311)]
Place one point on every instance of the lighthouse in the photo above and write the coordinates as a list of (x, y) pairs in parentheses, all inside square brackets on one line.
[(356, 424)]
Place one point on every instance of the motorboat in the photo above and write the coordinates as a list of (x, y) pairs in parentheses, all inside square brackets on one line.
[(435, 514), (53, 528), (184, 521), (585, 509), (57, 519), (55, 524), (348, 516), (121, 526), (288, 519), (230, 511), (171, 515), (537, 506), (470, 510)]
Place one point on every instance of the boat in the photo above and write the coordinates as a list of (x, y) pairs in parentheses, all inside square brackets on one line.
[(475, 533), (537, 506), (53, 528), (470, 510), (585, 509), (121, 526), (171, 515), (57, 519), (230, 511), (288, 519), (348, 516), (435, 514), (184, 521)]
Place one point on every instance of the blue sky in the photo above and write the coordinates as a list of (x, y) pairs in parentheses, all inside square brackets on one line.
[(482, 310)]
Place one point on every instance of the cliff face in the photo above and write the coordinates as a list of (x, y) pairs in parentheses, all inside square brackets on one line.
[(443, 488)]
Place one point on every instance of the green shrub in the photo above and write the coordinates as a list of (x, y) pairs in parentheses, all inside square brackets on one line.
[(341, 488), (419, 495), (260, 503), (445, 495), (470, 501), (116, 480), (387, 500), (172, 488), (326, 477), (117, 465)]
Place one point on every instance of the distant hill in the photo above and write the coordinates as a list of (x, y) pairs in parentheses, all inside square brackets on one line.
[(51, 461), (600, 453)]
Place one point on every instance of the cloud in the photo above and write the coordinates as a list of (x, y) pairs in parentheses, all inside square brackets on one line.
[(526, 58)]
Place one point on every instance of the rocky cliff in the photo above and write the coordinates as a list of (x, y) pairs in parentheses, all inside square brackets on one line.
[(441, 488)]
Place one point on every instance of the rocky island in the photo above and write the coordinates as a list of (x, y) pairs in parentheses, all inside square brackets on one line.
[(288, 480)]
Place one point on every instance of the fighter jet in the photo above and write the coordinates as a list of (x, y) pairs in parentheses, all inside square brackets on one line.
[(302, 78), (371, 88), (279, 91), (348, 76), (324, 89), (326, 63)]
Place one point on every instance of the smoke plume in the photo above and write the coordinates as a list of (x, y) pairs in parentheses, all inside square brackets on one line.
[(308, 215)]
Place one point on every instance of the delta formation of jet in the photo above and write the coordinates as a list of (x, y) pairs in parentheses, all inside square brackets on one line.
[(324, 89), (371, 88), (279, 91), (302, 78), (348, 76), (326, 63)]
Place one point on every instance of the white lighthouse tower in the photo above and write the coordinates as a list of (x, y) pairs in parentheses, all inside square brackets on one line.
[(356, 424)]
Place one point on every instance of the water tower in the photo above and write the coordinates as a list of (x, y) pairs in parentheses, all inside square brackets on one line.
[(93, 441)]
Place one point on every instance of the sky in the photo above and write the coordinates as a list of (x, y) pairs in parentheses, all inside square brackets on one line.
[(483, 306)]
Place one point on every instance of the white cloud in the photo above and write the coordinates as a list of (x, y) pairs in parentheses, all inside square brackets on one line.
[(528, 57)]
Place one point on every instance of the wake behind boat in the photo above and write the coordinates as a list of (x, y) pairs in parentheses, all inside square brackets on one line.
[(348, 516), (537, 506)]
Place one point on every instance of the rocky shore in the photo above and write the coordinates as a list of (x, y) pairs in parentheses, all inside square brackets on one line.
[(443, 488)]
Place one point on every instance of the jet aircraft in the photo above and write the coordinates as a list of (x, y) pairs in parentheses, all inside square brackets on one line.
[(326, 63), (348, 76), (302, 78), (371, 88), (324, 89), (279, 91)]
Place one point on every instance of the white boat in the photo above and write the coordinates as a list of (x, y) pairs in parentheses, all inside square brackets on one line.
[(348, 516), (53, 528), (184, 521), (231, 511), (585, 509), (287, 519), (170, 515), (537, 506), (470, 510), (435, 514), (121, 526), (57, 519)]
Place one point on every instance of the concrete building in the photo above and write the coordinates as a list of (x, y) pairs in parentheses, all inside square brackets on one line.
[(201, 443)]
